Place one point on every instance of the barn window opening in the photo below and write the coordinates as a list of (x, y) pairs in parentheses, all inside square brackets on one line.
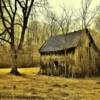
[(89, 44), (71, 50)]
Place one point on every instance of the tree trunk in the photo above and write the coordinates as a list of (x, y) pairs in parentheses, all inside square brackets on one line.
[(14, 69)]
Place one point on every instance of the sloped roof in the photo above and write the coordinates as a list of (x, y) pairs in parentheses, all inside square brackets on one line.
[(61, 42)]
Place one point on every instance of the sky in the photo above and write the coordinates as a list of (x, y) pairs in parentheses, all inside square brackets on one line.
[(72, 4)]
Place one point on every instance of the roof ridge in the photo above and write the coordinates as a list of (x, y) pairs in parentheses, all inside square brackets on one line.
[(69, 33)]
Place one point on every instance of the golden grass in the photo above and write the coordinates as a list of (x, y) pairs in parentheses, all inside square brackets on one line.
[(29, 70), (5, 70), (21, 70), (38, 87)]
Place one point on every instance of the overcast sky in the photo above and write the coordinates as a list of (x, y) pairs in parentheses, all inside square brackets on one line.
[(72, 4)]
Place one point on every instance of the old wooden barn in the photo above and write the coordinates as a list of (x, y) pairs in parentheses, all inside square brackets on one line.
[(68, 54)]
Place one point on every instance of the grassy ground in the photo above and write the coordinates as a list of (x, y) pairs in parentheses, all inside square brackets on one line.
[(30, 86)]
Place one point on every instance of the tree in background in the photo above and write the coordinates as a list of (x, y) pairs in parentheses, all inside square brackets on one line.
[(97, 23), (87, 52), (65, 20), (51, 19), (87, 20)]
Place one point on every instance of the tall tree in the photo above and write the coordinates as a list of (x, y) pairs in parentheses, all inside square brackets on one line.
[(65, 20), (97, 23), (10, 12), (51, 19), (87, 18)]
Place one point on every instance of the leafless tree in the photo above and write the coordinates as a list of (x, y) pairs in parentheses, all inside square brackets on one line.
[(87, 19), (97, 23), (65, 20), (10, 11), (51, 19)]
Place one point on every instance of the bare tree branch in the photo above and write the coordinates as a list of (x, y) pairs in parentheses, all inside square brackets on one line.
[(10, 5), (5, 7), (85, 8), (3, 32), (5, 40)]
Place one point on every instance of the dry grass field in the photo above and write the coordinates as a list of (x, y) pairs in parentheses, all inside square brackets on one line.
[(30, 86)]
